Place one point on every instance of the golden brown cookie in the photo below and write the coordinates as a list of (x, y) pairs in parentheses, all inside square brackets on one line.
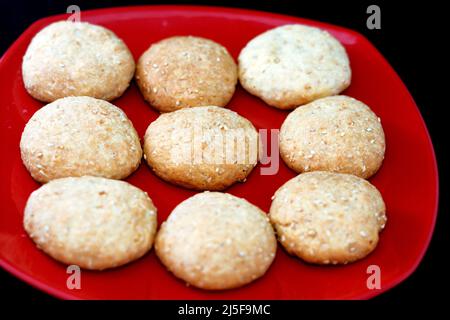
[(338, 134), (203, 148), (92, 222), (292, 65), (76, 59), (324, 217), (77, 136), (216, 241), (181, 72)]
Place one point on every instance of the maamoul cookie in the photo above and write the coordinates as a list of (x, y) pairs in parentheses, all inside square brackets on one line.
[(76, 59), (92, 222), (77, 136), (216, 241), (292, 65), (325, 217), (181, 72), (338, 134), (203, 148)]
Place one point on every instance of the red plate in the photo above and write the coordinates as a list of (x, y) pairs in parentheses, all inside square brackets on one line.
[(408, 178)]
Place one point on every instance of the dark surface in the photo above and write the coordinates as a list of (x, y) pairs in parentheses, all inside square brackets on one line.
[(411, 38)]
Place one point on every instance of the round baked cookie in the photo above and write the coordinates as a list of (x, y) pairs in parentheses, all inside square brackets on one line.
[(338, 134), (76, 59), (292, 65), (92, 222), (77, 136), (325, 217), (202, 148), (182, 72), (216, 241)]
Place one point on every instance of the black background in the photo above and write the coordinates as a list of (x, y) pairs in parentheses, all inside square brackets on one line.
[(412, 38)]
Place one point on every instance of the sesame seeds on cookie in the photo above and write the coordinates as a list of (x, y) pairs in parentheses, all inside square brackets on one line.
[(76, 59), (186, 71), (328, 218), (292, 65), (339, 134), (202, 148), (92, 222), (77, 136), (216, 241)]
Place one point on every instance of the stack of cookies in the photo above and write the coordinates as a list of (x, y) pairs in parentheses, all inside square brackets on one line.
[(80, 146)]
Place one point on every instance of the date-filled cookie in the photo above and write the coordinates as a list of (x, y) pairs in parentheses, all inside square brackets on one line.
[(216, 241), (76, 59), (92, 222), (181, 72), (325, 217), (77, 136), (292, 65), (338, 134), (202, 148)]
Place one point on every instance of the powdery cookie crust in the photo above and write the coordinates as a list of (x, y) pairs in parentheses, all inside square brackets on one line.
[(76, 59), (292, 65), (325, 217), (203, 148), (216, 241), (181, 72), (338, 134), (91, 222), (79, 136)]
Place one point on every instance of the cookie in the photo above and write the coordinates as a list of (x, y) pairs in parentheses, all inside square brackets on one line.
[(77, 136), (292, 65), (216, 241), (202, 148), (76, 59), (338, 134), (92, 222), (182, 72), (325, 217)]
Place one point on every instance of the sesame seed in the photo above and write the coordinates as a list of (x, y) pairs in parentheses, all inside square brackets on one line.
[(155, 90), (369, 129), (363, 233), (177, 103), (155, 65), (372, 141)]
